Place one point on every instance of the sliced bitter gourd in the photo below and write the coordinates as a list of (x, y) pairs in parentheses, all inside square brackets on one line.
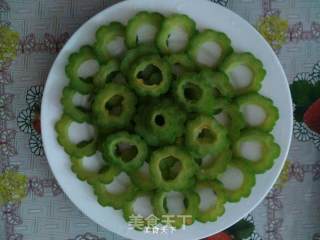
[(116, 193), (83, 148), (149, 20), (211, 166), (249, 61), (106, 73), (127, 151), (104, 36), (83, 85), (181, 175), (210, 211), (113, 106), (204, 135), (267, 114), (174, 23), (180, 63), (104, 173), (150, 76), (163, 120), (142, 178), (257, 149), (77, 113), (201, 42), (237, 180), (186, 216)]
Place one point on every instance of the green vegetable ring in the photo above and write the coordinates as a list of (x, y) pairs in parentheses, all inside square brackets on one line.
[(160, 123), (269, 150), (254, 65), (83, 85), (150, 76), (191, 202), (248, 180), (151, 19), (182, 170), (181, 63), (113, 106), (77, 113), (84, 148), (128, 151), (217, 208), (105, 35), (204, 135), (169, 25), (143, 179), (266, 104), (106, 73), (210, 36)]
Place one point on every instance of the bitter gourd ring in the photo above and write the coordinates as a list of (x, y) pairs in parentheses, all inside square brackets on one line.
[(261, 158), (150, 76), (142, 178), (182, 171), (128, 151), (253, 64), (169, 25), (106, 73), (216, 208), (180, 63), (237, 180), (104, 36), (206, 37), (163, 120), (83, 148), (187, 216), (83, 85), (204, 135), (143, 19), (113, 106), (267, 118)]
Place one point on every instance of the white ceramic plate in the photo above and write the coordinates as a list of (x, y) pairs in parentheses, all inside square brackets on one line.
[(207, 15)]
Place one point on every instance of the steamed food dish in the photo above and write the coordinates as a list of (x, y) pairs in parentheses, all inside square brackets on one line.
[(172, 111)]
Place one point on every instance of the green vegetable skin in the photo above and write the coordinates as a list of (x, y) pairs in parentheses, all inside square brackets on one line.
[(269, 149), (82, 85), (105, 35), (250, 61), (208, 36), (152, 19), (213, 212), (266, 104), (130, 158), (170, 24), (191, 209), (84, 148)]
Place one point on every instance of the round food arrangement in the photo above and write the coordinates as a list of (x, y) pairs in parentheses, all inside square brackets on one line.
[(176, 117)]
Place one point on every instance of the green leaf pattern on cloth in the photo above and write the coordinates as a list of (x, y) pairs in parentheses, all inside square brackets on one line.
[(8, 44)]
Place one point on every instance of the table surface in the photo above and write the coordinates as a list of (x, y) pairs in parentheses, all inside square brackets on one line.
[(290, 211)]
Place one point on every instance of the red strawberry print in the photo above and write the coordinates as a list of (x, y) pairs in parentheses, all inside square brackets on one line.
[(312, 117), (220, 236)]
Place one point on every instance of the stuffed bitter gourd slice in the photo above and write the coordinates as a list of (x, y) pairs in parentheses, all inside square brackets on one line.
[(204, 135), (237, 180), (238, 64), (211, 166), (171, 25), (113, 106), (257, 149), (181, 175), (101, 170), (116, 193), (206, 40), (162, 202), (105, 36), (107, 73), (195, 94), (127, 151), (163, 121), (150, 76), (83, 148), (210, 191), (258, 111), (76, 112), (231, 118), (147, 23), (180, 63), (142, 178), (83, 85)]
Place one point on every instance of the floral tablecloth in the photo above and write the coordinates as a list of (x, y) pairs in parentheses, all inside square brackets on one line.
[(31, 34)]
